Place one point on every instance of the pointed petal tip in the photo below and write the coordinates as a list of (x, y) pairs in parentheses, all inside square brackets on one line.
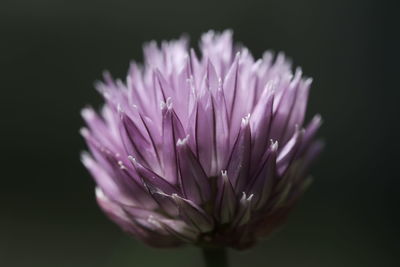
[(246, 120), (86, 159), (274, 145), (250, 198), (246, 200), (99, 193), (84, 132), (308, 81), (134, 161), (298, 72), (182, 142), (88, 113), (317, 119), (166, 105)]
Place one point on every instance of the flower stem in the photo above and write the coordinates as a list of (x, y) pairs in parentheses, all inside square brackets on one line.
[(214, 257)]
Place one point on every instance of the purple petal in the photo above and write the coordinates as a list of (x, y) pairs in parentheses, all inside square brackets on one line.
[(265, 178), (239, 162), (194, 181), (226, 199), (260, 123), (193, 214), (152, 179), (244, 212), (172, 131)]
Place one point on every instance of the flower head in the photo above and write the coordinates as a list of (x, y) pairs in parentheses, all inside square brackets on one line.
[(206, 150)]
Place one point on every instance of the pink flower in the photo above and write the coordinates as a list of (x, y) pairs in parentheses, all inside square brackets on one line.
[(206, 150)]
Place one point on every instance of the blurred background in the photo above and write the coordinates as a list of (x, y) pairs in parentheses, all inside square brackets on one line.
[(52, 51)]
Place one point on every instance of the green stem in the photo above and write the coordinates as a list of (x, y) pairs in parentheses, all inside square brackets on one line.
[(214, 257)]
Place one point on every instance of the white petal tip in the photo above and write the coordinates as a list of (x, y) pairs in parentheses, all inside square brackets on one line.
[(88, 113), (182, 142)]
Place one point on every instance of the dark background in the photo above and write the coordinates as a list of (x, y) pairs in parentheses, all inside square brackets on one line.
[(51, 52)]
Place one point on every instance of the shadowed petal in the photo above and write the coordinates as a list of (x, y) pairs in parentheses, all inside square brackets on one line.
[(193, 215), (226, 199), (152, 179), (172, 131), (239, 162), (194, 181)]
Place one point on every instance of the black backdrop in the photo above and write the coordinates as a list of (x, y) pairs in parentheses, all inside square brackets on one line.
[(51, 52)]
